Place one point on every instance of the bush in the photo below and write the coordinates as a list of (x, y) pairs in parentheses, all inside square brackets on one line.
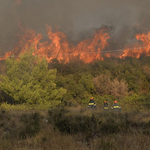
[(31, 125)]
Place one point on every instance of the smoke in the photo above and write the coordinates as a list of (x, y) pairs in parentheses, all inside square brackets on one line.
[(77, 19)]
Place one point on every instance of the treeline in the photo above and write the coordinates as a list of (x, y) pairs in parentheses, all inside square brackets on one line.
[(32, 81), (126, 80)]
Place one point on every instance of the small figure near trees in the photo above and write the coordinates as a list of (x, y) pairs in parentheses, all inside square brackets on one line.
[(92, 104), (105, 107), (116, 107)]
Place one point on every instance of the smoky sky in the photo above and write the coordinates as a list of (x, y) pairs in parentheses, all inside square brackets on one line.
[(77, 18)]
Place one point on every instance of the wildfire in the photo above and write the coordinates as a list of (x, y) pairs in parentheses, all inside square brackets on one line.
[(140, 50), (57, 46), (60, 48)]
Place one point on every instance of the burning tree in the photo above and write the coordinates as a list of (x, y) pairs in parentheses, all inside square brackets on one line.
[(28, 80)]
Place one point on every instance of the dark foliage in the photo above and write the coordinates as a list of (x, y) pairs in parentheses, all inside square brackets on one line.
[(31, 125)]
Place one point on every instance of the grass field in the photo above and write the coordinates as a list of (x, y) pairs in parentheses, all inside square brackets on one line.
[(74, 128)]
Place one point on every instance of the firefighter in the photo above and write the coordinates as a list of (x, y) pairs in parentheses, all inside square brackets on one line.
[(116, 107), (105, 107), (91, 104)]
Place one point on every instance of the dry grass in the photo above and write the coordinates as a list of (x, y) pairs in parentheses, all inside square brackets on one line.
[(104, 130)]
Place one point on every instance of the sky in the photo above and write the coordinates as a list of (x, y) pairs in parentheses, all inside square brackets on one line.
[(77, 18)]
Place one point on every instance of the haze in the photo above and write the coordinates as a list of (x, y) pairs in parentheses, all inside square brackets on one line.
[(78, 19)]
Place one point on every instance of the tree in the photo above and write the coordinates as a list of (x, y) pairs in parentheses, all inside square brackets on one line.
[(119, 88), (28, 80), (105, 85), (86, 81)]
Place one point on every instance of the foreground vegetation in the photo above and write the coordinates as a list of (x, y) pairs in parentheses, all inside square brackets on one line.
[(74, 129), (43, 106)]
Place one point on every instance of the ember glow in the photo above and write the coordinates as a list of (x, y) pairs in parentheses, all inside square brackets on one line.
[(59, 47)]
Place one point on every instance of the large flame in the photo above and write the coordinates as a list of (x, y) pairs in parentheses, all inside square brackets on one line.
[(139, 50), (57, 46)]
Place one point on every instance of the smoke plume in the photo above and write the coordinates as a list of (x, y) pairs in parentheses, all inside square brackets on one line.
[(77, 19)]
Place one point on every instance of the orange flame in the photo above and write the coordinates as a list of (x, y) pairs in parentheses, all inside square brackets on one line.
[(59, 47), (90, 49), (7, 55), (140, 50)]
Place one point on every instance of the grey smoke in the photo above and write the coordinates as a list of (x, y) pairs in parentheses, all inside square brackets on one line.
[(77, 18)]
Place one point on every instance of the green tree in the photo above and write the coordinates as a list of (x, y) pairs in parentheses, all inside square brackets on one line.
[(87, 82), (28, 80)]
